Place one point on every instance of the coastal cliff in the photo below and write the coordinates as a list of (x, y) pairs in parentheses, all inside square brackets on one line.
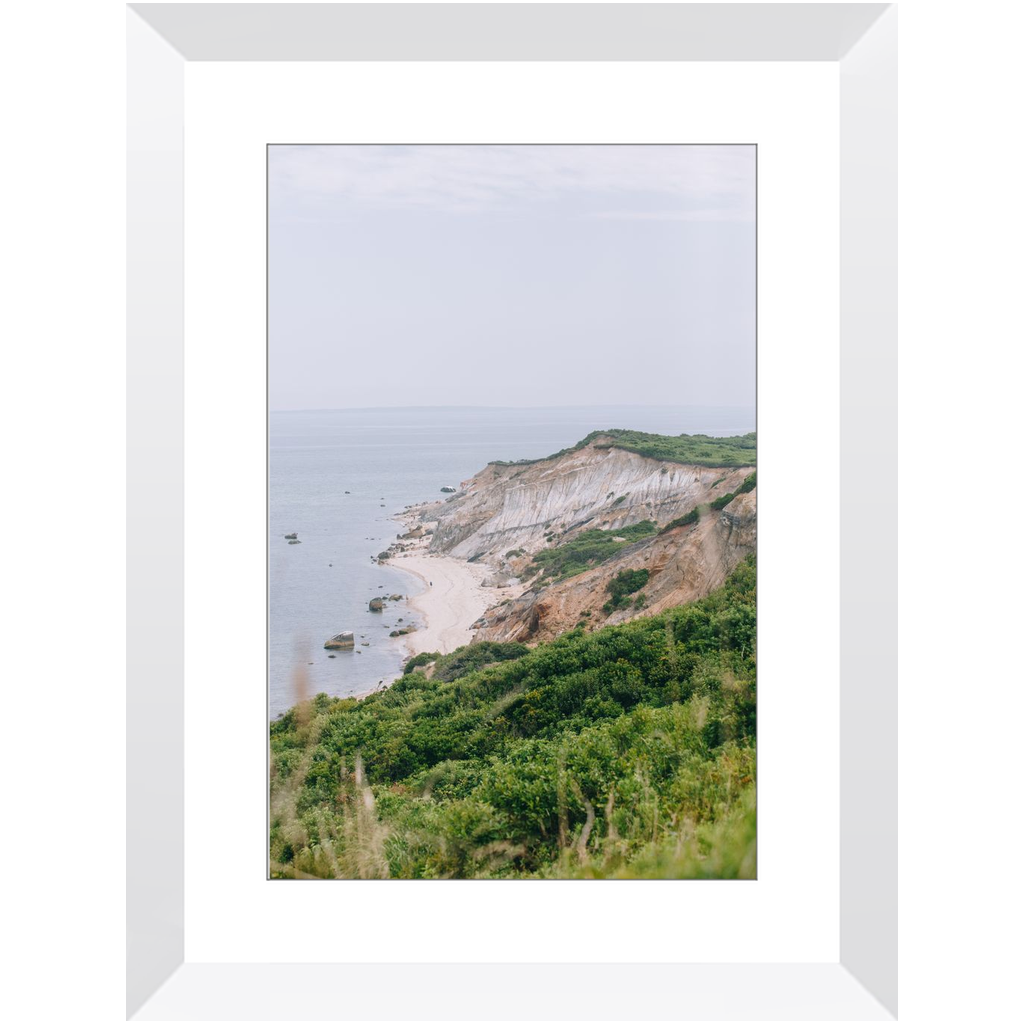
[(569, 526), (579, 705)]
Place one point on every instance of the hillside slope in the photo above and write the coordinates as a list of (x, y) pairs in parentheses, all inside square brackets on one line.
[(628, 752), (527, 520), (684, 564)]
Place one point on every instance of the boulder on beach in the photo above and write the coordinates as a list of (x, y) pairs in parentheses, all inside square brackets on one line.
[(376, 604)]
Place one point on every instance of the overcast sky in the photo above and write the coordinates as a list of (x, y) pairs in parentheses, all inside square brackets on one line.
[(511, 275)]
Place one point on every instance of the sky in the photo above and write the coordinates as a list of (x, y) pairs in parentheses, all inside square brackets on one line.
[(511, 276)]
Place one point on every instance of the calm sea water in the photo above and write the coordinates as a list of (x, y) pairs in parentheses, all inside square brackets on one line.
[(337, 478)]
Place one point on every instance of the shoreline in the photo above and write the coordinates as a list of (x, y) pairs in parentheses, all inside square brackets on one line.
[(445, 611), (454, 597), (455, 594)]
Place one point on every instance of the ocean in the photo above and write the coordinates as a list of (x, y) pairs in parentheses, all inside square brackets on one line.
[(337, 477)]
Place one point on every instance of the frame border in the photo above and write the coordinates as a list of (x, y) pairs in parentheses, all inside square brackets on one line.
[(862, 39)]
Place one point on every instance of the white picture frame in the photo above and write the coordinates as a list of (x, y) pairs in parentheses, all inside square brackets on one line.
[(861, 38)]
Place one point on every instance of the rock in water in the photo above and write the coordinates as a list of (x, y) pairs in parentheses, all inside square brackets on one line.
[(376, 604), (341, 642)]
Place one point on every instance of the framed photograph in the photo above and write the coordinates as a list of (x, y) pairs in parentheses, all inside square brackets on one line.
[(549, 669), (459, 336)]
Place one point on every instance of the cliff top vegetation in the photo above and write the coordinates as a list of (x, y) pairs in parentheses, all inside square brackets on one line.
[(687, 449)]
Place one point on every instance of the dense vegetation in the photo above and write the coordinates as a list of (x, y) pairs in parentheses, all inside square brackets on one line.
[(689, 449), (466, 659), (625, 752), (587, 549), (624, 583)]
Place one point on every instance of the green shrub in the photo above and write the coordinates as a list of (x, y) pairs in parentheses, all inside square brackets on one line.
[(629, 581), (748, 484), (424, 658), (471, 657), (719, 503), (626, 752), (689, 519)]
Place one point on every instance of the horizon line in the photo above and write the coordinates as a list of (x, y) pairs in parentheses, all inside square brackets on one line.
[(499, 408)]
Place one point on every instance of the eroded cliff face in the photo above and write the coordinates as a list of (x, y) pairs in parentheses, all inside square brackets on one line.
[(504, 508), (506, 514), (685, 563)]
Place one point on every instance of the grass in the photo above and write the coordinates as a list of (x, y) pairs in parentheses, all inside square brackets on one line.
[(687, 449), (627, 752), (586, 550)]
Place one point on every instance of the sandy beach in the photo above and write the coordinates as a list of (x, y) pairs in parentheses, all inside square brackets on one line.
[(447, 610), (455, 594), (449, 607)]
